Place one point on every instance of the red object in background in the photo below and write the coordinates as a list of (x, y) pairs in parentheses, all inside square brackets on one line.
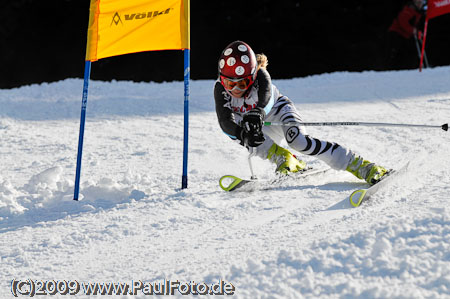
[(406, 21), (436, 8)]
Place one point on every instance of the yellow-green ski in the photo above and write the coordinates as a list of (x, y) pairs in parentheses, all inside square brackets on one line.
[(357, 197), (361, 195), (231, 182)]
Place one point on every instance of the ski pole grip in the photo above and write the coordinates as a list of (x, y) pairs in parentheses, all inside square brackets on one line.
[(445, 127)]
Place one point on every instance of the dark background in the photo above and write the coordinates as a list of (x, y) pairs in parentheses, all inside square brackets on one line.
[(45, 40)]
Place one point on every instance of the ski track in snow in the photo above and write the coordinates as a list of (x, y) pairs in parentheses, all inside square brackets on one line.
[(298, 239)]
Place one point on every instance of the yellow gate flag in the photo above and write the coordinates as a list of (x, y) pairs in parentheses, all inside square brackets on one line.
[(119, 27)]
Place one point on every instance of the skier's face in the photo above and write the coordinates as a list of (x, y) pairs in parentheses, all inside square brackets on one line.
[(237, 93), (418, 3)]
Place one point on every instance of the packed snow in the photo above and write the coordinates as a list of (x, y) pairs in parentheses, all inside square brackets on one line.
[(298, 239)]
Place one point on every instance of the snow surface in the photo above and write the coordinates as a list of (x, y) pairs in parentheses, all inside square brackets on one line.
[(299, 239)]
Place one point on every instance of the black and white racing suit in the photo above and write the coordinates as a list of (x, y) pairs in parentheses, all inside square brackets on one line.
[(278, 108)]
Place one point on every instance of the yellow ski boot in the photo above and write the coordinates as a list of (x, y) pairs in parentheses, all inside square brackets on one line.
[(365, 170), (286, 162)]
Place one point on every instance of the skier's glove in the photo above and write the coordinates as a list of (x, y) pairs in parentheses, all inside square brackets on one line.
[(252, 124), (252, 139), (253, 120), (419, 35)]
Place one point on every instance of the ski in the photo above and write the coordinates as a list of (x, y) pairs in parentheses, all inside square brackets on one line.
[(231, 183), (361, 195)]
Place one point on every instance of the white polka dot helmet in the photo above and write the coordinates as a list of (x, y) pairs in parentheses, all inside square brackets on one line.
[(238, 61)]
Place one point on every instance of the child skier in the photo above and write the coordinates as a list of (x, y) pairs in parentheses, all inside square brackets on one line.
[(245, 97)]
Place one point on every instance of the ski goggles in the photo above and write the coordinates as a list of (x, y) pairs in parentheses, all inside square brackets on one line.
[(236, 84)]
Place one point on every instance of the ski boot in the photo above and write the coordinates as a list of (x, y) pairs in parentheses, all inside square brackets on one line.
[(286, 162), (365, 170)]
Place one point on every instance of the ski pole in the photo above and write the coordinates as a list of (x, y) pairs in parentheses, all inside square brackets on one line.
[(253, 177), (418, 47), (419, 52), (368, 124)]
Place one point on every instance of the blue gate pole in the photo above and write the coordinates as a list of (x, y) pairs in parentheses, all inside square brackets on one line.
[(87, 74), (186, 117)]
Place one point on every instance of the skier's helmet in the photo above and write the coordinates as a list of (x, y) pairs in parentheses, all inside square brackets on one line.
[(237, 66)]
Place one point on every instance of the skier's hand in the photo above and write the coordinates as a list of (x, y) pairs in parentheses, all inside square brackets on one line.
[(419, 35), (252, 124), (253, 120), (252, 139)]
